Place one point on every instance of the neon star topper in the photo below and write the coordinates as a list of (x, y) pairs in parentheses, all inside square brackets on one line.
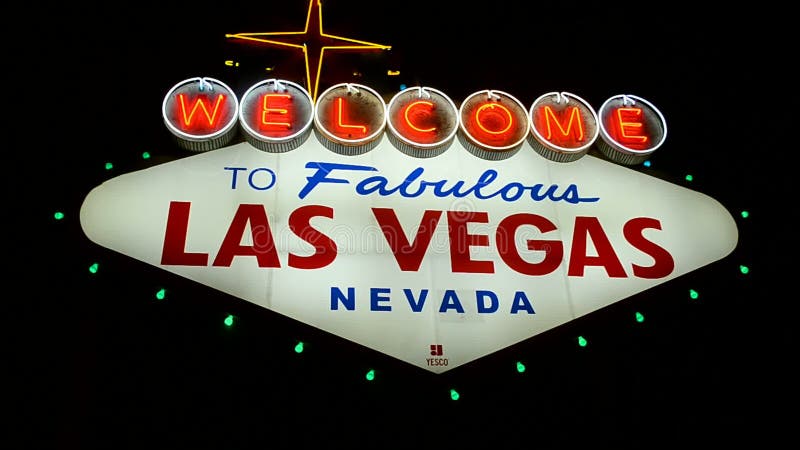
[(313, 41)]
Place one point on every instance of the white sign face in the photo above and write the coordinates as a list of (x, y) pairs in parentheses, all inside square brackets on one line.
[(436, 261)]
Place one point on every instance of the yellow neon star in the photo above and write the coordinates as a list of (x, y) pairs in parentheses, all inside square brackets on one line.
[(312, 41)]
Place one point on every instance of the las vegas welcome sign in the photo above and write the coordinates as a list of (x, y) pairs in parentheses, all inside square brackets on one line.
[(432, 233)]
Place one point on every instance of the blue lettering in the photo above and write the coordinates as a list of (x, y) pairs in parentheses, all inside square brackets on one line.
[(378, 185), (510, 187), (348, 301), (414, 186), (261, 169), (482, 308), (416, 306), (439, 190), (235, 174), (323, 169), (375, 298), (571, 195), (521, 302), (539, 197), (487, 302), (484, 180), (450, 301), (416, 173)]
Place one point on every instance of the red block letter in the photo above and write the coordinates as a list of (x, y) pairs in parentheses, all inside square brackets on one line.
[(300, 224), (664, 264), (461, 241), (408, 256), (263, 247), (173, 252), (578, 259), (506, 246)]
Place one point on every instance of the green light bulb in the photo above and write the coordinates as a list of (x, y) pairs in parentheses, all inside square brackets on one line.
[(145, 155), (745, 214), (229, 320), (693, 294), (744, 269), (581, 341), (639, 317), (109, 166), (520, 367), (689, 177), (58, 215), (454, 394), (299, 347), (370, 375), (93, 268), (161, 294)]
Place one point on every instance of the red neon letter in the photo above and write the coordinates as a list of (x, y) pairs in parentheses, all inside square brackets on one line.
[(494, 118), (630, 126), (506, 246), (663, 262), (339, 118), (426, 111), (578, 259), (263, 247), (563, 134), (174, 250), (325, 247), (408, 256), (275, 112), (461, 241), (189, 120)]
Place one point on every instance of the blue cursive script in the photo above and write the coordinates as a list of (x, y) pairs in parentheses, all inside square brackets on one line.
[(413, 186)]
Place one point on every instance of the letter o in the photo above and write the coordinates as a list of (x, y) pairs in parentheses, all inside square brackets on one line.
[(260, 169)]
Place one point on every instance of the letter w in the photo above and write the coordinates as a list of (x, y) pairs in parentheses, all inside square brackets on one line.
[(200, 102)]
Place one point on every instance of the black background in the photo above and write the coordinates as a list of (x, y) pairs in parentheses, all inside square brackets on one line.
[(106, 365)]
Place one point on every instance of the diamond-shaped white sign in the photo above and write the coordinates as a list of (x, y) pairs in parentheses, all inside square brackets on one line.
[(436, 261)]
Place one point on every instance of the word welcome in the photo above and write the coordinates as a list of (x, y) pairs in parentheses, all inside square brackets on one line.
[(353, 113)]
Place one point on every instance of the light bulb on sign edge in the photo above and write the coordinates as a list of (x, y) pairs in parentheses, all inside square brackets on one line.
[(454, 395)]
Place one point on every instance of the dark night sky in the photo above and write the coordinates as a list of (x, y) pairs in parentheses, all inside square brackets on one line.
[(105, 366)]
